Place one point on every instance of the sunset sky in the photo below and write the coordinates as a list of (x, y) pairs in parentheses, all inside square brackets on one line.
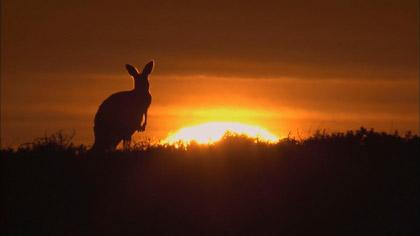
[(288, 66)]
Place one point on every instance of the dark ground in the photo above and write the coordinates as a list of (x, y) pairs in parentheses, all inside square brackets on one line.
[(360, 183)]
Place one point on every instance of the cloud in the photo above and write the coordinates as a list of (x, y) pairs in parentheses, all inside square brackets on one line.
[(364, 39)]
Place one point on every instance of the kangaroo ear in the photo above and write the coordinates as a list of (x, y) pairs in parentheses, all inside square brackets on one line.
[(148, 68), (131, 70)]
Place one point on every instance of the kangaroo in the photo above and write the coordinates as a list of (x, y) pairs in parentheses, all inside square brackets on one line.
[(121, 114)]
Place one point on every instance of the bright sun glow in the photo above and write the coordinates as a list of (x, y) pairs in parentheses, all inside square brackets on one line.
[(211, 132)]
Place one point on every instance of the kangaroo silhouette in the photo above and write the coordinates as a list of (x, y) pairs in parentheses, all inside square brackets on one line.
[(121, 114)]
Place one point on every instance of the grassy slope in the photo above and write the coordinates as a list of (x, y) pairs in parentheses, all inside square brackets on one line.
[(363, 183)]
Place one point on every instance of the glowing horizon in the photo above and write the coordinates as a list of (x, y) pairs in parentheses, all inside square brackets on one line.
[(211, 132)]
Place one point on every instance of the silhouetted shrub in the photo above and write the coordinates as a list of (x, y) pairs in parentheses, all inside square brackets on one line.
[(58, 144)]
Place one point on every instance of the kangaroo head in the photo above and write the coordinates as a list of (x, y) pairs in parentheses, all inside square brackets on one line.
[(141, 81)]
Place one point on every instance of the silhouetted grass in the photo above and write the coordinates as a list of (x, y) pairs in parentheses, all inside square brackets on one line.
[(60, 145), (354, 183)]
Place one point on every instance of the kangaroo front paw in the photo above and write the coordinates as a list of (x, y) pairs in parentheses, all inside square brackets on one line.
[(142, 128)]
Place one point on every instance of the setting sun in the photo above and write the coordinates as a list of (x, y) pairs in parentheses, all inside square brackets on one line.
[(210, 132)]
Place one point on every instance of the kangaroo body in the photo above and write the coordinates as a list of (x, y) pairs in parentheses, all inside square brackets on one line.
[(122, 113)]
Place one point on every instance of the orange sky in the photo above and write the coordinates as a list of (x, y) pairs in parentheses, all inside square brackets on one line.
[(287, 66)]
